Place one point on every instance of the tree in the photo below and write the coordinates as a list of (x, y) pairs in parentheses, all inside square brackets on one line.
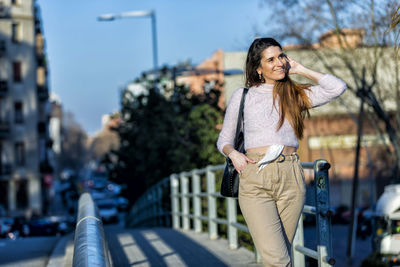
[(165, 133), (106, 141), (369, 64), (73, 144), (393, 25)]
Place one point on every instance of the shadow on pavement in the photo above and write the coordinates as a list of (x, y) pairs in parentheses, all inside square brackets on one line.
[(156, 247)]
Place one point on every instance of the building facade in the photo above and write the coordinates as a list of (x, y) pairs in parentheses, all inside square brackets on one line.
[(24, 108)]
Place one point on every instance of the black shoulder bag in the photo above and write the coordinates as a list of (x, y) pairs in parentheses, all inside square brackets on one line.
[(230, 180)]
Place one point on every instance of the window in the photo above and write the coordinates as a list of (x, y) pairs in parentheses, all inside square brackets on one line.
[(2, 46), (18, 112), (19, 154), (15, 32), (21, 188), (17, 71), (3, 197)]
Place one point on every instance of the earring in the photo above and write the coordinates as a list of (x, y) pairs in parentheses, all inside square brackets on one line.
[(260, 77)]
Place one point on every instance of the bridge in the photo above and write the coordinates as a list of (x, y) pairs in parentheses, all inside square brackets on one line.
[(181, 221)]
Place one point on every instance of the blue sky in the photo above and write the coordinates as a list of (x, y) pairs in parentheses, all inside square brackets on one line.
[(90, 61)]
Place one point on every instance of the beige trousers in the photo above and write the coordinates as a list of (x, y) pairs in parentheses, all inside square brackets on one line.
[(271, 202)]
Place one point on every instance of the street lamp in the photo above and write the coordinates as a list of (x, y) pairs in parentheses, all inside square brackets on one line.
[(138, 14)]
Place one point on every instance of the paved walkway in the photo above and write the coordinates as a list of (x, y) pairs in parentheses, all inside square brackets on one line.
[(168, 247), (156, 247)]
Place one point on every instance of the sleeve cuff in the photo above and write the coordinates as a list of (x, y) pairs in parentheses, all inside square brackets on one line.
[(221, 146)]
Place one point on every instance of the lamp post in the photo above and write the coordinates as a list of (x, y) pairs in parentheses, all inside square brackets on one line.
[(139, 14)]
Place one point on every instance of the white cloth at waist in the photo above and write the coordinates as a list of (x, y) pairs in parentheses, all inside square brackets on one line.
[(272, 153)]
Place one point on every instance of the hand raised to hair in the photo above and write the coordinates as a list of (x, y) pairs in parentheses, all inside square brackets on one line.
[(294, 66)]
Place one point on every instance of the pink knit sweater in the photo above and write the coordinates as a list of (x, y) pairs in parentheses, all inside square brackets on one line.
[(261, 117)]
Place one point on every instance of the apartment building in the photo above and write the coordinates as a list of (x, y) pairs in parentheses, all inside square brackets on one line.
[(24, 108), (210, 71)]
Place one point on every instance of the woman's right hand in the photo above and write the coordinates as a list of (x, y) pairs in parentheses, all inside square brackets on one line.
[(239, 160)]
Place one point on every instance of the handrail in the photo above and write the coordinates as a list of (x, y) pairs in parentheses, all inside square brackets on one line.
[(90, 247), (187, 213)]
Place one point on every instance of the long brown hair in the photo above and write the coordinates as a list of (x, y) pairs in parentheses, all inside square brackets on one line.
[(293, 101)]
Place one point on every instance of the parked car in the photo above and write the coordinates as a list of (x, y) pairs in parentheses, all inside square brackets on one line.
[(5, 226), (108, 210), (365, 218), (122, 203), (42, 227), (65, 224), (99, 194), (341, 214), (386, 235), (3, 211), (99, 183), (113, 188), (20, 227)]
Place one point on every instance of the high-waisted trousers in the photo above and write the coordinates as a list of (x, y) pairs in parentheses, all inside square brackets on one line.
[(271, 201)]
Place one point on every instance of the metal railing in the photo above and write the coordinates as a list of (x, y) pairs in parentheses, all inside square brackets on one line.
[(187, 211), (90, 247), (152, 208)]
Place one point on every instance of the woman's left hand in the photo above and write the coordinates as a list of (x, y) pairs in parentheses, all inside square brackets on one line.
[(293, 66)]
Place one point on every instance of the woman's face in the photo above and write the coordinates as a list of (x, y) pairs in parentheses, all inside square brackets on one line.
[(273, 64)]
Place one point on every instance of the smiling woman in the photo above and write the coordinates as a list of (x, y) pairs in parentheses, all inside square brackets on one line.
[(272, 185), (273, 65)]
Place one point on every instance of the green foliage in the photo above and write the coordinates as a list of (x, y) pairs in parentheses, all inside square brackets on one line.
[(202, 126), (74, 152), (374, 260), (165, 133)]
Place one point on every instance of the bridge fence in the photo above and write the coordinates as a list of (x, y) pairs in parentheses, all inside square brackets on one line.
[(192, 201)]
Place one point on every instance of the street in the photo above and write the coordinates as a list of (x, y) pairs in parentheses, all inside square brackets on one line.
[(30, 251)]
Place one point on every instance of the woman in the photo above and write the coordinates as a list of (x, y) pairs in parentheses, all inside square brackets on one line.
[(272, 187)]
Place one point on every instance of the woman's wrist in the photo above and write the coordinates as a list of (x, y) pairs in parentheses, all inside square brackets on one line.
[(232, 153)]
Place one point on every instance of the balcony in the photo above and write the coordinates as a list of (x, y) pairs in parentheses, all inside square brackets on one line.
[(3, 48), (5, 128), (43, 92), (38, 25), (5, 169), (4, 11), (41, 60), (3, 88)]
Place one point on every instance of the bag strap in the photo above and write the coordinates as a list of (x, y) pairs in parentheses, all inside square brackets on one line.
[(240, 116)]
